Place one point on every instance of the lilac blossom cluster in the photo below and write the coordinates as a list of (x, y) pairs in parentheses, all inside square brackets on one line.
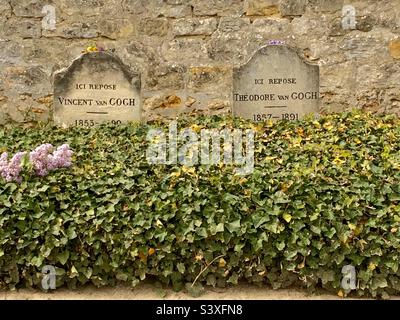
[(10, 170), (43, 160)]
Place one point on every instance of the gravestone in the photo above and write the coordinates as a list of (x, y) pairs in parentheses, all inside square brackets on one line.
[(97, 87), (275, 84)]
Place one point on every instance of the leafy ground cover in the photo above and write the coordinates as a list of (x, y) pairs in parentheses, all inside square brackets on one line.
[(324, 194)]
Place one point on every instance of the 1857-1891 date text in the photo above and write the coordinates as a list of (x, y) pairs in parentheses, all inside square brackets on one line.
[(270, 116)]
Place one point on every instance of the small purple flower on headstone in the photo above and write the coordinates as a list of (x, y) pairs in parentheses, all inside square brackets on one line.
[(276, 42)]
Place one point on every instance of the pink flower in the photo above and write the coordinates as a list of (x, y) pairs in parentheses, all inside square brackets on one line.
[(10, 170), (43, 160)]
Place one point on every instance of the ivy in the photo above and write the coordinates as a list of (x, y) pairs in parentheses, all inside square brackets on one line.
[(324, 193)]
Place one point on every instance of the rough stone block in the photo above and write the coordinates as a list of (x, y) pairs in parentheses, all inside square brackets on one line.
[(228, 47), (166, 106), (185, 49), (76, 30), (273, 27), (176, 11), (217, 7), (28, 8), (292, 7), (166, 77), (177, 1), (30, 80), (91, 8), (229, 24), (194, 26), (5, 10), (362, 47), (391, 101), (23, 108), (365, 23), (262, 7), (117, 29), (10, 53), (153, 27), (336, 28), (394, 48), (223, 106), (209, 78), (25, 28), (141, 54), (326, 5), (137, 7)]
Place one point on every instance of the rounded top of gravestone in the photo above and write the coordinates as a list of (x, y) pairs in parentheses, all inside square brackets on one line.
[(284, 50), (97, 61)]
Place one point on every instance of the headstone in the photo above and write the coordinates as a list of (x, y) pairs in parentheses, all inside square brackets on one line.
[(96, 88), (275, 84)]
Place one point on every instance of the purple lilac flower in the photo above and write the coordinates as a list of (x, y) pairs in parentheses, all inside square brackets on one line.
[(39, 158), (62, 156), (44, 162), (3, 164), (42, 158), (10, 170)]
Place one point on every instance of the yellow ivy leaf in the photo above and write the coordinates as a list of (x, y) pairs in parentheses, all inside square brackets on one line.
[(317, 124), (198, 257), (134, 253), (352, 227), (175, 174), (143, 257), (73, 270), (338, 161), (358, 230), (297, 142), (372, 266), (328, 126), (362, 242), (300, 132), (222, 263), (159, 223), (287, 217), (340, 294), (196, 128), (190, 170)]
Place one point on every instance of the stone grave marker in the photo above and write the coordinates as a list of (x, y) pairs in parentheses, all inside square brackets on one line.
[(275, 84), (97, 87)]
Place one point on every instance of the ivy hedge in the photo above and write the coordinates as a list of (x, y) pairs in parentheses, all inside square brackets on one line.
[(324, 194)]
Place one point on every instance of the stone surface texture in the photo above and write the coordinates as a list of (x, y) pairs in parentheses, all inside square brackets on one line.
[(185, 50)]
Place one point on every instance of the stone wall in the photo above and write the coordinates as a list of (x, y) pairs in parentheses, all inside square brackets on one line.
[(186, 49)]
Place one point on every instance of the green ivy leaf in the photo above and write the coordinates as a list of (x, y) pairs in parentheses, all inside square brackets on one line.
[(63, 257)]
